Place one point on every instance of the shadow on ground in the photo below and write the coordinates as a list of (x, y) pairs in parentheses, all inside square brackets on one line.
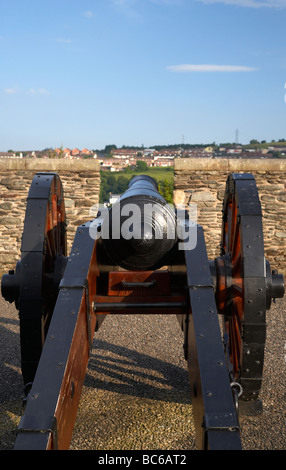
[(124, 370)]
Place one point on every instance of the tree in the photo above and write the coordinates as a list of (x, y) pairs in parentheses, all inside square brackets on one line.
[(166, 189), (108, 148), (61, 152), (111, 182), (141, 165), (277, 154), (122, 184)]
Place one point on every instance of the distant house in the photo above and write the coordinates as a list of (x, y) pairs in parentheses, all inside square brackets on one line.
[(112, 164), (67, 153), (197, 152), (85, 152), (75, 152), (167, 153), (163, 162), (149, 152), (124, 153), (10, 155), (234, 150)]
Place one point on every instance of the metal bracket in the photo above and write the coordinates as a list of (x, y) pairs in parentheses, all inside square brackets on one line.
[(40, 424), (221, 422), (80, 283)]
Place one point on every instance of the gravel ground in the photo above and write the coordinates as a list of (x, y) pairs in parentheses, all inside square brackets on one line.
[(136, 391)]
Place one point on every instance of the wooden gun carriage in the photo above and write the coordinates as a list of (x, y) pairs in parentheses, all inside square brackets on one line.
[(154, 262)]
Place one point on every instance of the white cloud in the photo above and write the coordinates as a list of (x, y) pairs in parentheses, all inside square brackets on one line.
[(278, 4), (31, 91), (88, 14), (64, 41), (190, 68), (124, 3), (38, 91), (132, 8), (130, 3), (167, 2), (128, 7), (10, 91)]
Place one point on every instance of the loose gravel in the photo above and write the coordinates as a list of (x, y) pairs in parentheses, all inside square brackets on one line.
[(136, 391)]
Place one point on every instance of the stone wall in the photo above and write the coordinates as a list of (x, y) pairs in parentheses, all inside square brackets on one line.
[(196, 180), (203, 181), (81, 183)]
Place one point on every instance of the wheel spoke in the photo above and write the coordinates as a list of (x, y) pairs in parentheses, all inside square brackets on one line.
[(39, 271), (240, 272)]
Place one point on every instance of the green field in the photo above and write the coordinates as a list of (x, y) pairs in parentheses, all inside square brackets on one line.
[(159, 174), (117, 182)]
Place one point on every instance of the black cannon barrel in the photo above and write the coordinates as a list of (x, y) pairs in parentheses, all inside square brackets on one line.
[(140, 230)]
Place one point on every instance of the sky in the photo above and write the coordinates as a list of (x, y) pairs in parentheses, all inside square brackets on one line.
[(91, 73)]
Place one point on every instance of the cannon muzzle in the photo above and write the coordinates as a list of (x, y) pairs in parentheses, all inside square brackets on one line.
[(139, 232)]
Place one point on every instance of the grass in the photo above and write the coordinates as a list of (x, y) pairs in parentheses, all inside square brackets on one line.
[(157, 173)]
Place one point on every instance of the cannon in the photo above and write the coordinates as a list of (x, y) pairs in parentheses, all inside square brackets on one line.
[(141, 257)]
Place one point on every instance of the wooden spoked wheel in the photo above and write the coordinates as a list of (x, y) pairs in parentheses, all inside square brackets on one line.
[(241, 290), (43, 259)]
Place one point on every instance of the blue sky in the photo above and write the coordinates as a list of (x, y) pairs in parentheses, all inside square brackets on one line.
[(88, 73)]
